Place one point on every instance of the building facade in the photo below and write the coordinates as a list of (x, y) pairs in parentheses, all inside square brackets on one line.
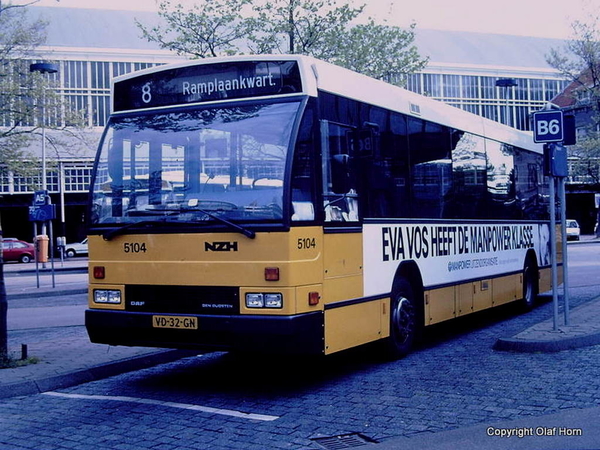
[(91, 47)]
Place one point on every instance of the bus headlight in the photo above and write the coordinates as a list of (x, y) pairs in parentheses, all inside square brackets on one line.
[(269, 300), (255, 301), (107, 296), (273, 301)]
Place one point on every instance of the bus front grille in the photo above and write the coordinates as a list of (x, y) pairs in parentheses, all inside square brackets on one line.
[(215, 300)]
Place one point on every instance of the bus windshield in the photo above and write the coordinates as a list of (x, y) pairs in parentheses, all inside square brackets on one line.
[(194, 165)]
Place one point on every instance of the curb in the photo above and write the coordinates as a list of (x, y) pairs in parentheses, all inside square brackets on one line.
[(29, 272), (552, 342), (53, 293), (529, 346), (95, 373)]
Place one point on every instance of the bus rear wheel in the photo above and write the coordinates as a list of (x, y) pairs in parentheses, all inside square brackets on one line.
[(404, 325), (530, 285)]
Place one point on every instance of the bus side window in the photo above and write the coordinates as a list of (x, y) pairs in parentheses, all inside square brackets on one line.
[(340, 195), (431, 168)]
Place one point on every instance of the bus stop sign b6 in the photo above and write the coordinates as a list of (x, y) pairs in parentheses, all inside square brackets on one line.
[(548, 126)]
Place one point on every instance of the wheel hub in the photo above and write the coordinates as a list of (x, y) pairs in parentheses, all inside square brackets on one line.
[(403, 320)]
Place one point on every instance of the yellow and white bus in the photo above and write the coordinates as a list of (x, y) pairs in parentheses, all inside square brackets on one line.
[(283, 204)]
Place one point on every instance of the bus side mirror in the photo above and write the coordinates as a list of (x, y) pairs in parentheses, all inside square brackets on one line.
[(340, 174)]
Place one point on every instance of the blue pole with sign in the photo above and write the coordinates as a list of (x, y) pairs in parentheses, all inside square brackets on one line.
[(42, 211), (549, 129)]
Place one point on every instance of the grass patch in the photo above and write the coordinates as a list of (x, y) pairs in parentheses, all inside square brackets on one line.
[(8, 362)]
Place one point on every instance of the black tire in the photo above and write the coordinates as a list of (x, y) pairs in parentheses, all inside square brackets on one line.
[(405, 324), (25, 259), (70, 253), (530, 285)]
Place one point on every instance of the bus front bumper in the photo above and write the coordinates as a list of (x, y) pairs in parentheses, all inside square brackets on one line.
[(298, 334)]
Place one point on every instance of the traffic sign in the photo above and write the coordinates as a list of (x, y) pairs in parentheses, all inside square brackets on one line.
[(40, 198), (42, 213), (548, 126)]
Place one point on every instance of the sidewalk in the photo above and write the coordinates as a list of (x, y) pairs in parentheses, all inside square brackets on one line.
[(570, 429), (583, 328), (68, 358)]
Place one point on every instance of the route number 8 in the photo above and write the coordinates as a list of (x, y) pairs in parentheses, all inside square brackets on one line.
[(146, 94)]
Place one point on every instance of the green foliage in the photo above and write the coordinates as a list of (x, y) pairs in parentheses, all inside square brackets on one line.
[(579, 62), (366, 46), (210, 28), (304, 27), (8, 362), (24, 94), (18, 40), (319, 28)]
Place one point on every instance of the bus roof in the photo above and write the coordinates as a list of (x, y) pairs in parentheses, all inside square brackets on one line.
[(319, 75)]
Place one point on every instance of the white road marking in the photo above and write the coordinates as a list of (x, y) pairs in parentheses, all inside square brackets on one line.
[(206, 409)]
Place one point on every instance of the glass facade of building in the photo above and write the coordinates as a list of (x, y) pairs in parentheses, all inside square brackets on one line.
[(479, 95), (85, 86)]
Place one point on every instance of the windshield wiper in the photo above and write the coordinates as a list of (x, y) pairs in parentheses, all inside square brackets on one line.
[(108, 235), (240, 229)]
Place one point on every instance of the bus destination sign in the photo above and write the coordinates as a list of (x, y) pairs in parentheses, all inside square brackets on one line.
[(207, 82)]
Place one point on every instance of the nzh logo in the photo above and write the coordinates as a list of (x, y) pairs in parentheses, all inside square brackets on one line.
[(220, 246)]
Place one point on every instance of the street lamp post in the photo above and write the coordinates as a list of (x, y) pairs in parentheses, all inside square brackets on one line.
[(44, 68), (506, 83)]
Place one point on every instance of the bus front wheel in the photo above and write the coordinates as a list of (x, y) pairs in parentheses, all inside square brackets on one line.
[(404, 324)]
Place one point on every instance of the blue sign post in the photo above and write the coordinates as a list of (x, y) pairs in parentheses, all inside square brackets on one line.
[(548, 126), (42, 211)]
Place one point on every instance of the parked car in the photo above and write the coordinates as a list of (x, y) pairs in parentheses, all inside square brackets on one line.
[(77, 248), (573, 230), (15, 250)]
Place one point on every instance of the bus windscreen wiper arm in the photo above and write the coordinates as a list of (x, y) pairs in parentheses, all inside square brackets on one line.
[(245, 231), (108, 235)]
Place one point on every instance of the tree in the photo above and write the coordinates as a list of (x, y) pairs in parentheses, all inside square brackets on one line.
[(210, 28), (319, 28), (307, 27), (579, 62), (18, 89), (368, 43), (18, 40), (22, 93)]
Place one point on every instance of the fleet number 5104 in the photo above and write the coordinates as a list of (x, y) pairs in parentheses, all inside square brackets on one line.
[(306, 243), (134, 247)]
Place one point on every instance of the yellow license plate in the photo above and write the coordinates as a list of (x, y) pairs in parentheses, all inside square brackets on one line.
[(179, 322)]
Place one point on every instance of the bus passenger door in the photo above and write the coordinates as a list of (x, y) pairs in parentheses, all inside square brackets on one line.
[(347, 323)]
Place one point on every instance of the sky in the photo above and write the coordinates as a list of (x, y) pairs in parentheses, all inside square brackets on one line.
[(541, 18)]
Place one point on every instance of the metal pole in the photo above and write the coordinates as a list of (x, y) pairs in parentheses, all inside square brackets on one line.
[(563, 218), (37, 253), (51, 251), (553, 251), (44, 183), (63, 231), (61, 174), (507, 106), (44, 186)]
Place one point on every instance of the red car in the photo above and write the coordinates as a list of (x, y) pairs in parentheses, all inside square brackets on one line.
[(14, 250)]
